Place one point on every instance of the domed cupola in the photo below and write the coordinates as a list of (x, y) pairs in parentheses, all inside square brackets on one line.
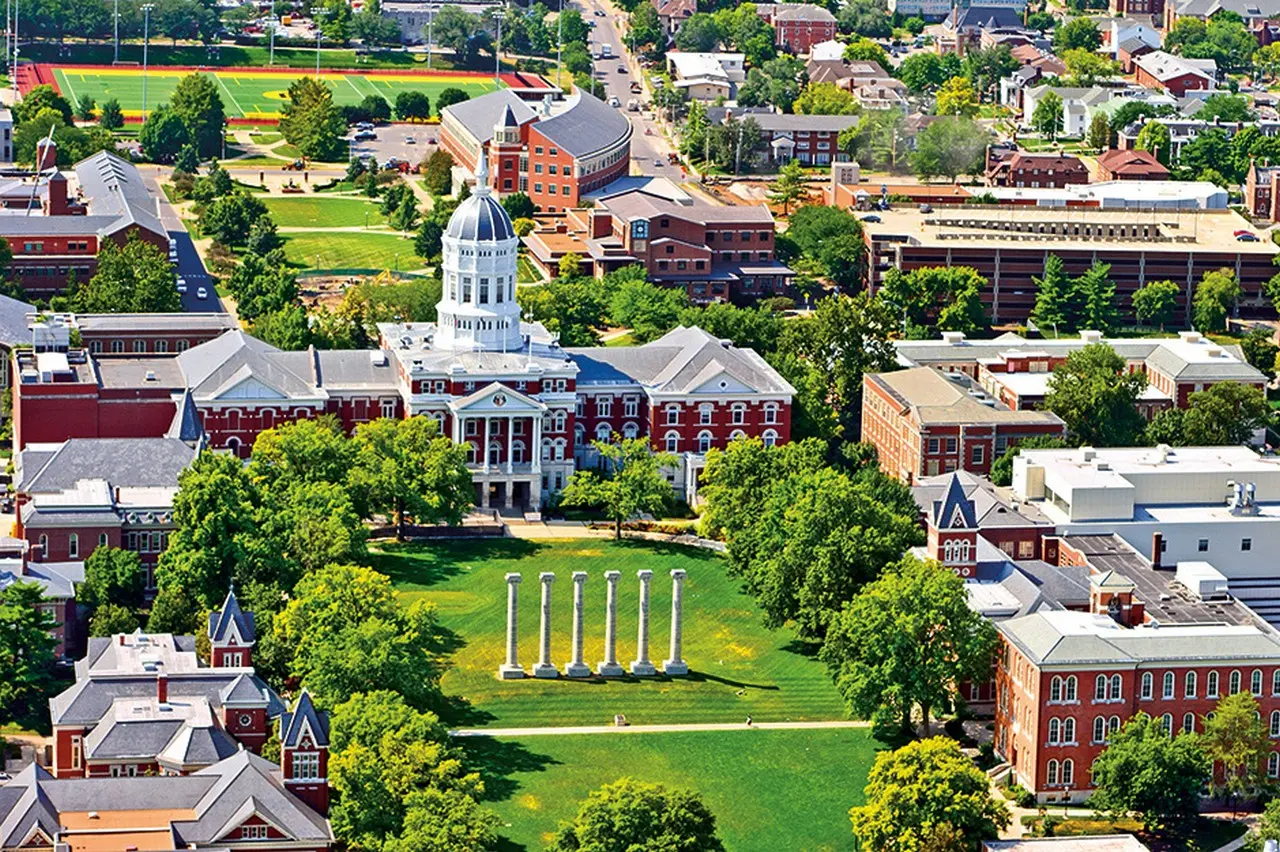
[(478, 309)]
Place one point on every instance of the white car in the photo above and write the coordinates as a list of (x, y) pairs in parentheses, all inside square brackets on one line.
[(614, 102), (182, 284), (409, 140), (173, 250), (202, 293)]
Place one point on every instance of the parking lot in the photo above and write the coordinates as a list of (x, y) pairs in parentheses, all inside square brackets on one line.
[(410, 142)]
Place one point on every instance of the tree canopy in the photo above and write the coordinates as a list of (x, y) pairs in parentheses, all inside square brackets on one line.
[(632, 816), (632, 481), (1145, 770), (1094, 392)]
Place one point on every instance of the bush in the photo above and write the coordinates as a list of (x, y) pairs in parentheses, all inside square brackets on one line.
[(1021, 796)]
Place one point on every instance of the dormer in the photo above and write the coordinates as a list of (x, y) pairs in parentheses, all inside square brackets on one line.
[(231, 635), (304, 753)]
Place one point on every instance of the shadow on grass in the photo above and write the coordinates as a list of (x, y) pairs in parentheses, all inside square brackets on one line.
[(803, 648), (668, 548), (498, 760), (700, 677), (429, 563), (458, 712)]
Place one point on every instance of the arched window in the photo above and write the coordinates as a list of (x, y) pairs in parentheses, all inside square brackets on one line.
[(517, 452), (1255, 682), (233, 444), (1113, 724), (1069, 694), (1148, 683), (770, 413), (117, 346), (1115, 687), (1100, 687), (704, 441), (73, 546), (1100, 729), (672, 442), (1166, 722), (738, 413), (1068, 730), (737, 435), (1068, 772), (1189, 686), (1051, 773), (560, 418), (1055, 731), (1275, 682), (1275, 723), (1168, 686), (579, 435), (1234, 683), (769, 438), (546, 449), (630, 431), (673, 415), (1211, 685), (44, 546), (102, 539), (706, 414), (602, 432), (559, 448), (471, 453), (1055, 687), (1188, 723), (1273, 765)]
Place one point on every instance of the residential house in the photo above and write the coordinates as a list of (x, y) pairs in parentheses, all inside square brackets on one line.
[(673, 13), (707, 76), (1163, 70), (798, 26), (1130, 165), (1021, 169)]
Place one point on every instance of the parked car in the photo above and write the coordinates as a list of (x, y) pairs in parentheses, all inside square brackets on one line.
[(614, 102), (202, 293), (182, 284), (1247, 238), (365, 135), (173, 250), (409, 140), (622, 69), (871, 217)]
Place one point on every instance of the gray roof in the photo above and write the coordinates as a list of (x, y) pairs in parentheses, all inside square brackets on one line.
[(57, 580), (115, 190), (187, 425), (480, 115), (585, 127), (103, 323), (122, 462), (985, 17), (13, 321), (304, 716), (777, 122), (215, 367), (231, 615), (1247, 9), (481, 218), (802, 12), (142, 740), (88, 700)]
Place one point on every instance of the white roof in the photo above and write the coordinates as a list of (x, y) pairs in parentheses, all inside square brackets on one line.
[(1123, 193), (827, 50), (1165, 66)]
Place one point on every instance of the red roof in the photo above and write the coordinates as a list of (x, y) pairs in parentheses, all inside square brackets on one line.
[(1131, 163)]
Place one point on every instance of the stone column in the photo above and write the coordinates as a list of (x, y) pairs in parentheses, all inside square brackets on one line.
[(545, 668), (484, 444), (536, 446), (577, 668), (675, 664), (610, 667), (511, 445), (512, 669), (641, 667)]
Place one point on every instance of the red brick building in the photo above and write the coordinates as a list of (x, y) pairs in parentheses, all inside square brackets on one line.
[(798, 26), (129, 334), (1130, 165), (1262, 191), (1162, 70), (923, 423), (556, 153), (1020, 169)]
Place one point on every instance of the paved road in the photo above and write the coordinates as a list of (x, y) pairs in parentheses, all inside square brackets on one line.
[(652, 729), (190, 267)]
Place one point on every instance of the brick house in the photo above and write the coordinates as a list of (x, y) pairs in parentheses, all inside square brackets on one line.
[(1130, 165), (1020, 169), (1160, 69), (798, 26), (1261, 197)]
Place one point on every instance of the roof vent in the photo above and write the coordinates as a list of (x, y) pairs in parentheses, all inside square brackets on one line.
[(953, 338), (93, 814), (151, 376), (378, 358)]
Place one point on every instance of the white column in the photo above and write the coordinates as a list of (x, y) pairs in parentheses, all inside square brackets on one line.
[(675, 664), (511, 440), (484, 445), (536, 451), (512, 668), (610, 666), (545, 668), (577, 668), (640, 666)]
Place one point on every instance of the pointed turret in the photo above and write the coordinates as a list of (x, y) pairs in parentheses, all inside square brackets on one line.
[(304, 753), (953, 529), (231, 635)]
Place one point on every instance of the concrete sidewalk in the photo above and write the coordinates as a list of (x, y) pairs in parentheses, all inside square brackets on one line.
[(654, 729)]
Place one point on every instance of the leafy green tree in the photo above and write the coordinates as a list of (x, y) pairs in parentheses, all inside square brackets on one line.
[(1098, 136), (922, 72), (1268, 827), (644, 30), (632, 816), (312, 122), (906, 642), (27, 645), (879, 139), (949, 148), (649, 310), (405, 216), (574, 307), (312, 450), (1154, 138), (262, 284), (438, 172), (263, 237), (866, 50), (957, 97), (1002, 468), (700, 33), (285, 328), (1042, 21), (1214, 299), (942, 297), (988, 66), (1093, 299), (1047, 117), (429, 242), (163, 135), (40, 98), (85, 108), (1079, 32), (187, 161), (519, 206), (1145, 771), (1260, 349), (1224, 413), (1209, 150), (413, 106), (1235, 739), (196, 101), (1094, 392), (776, 82), (229, 218), (1226, 107), (1053, 297), (632, 481), (112, 576), (924, 792), (449, 96), (110, 619), (407, 469), (825, 99), (1267, 60), (110, 115), (866, 18), (755, 328), (134, 278), (792, 185), (1087, 67), (1155, 302)]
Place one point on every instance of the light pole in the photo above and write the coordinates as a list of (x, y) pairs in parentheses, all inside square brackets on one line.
[(560, 42), (146, 39), (319, 35), (431, 19), (271, 57), (15, 50), (115, 30), (497, 46)]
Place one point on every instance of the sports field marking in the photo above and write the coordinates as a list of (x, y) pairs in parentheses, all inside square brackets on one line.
[(225, 88), (66, 79), (356, 88)]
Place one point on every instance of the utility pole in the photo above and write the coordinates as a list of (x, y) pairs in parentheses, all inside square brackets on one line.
[(431, 19), (319, 35), (115, 28), (271, 22), (15, 51), (737, 157), (146, 41), (560, 42)]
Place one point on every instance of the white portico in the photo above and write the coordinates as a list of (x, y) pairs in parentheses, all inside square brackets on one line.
[(502, 429)]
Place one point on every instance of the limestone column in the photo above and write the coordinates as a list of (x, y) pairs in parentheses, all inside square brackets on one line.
[(545, 668), (512, 668), (641, 667), (610, 667), (675, 664), (577, 668), (511, 445)]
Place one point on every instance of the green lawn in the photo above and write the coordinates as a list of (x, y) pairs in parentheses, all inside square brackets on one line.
[(351, 251), (310, 211), (739, 667), (769, 790), (526, 272)]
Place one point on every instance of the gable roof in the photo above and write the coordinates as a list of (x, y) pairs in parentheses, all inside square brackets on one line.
[(1164, 66), (122, 462), (1131, 162), (954, 505), (479, 116), (304, 716), (230, 617)]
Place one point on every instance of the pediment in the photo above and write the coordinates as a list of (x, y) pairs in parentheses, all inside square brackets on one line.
[(723, 383)]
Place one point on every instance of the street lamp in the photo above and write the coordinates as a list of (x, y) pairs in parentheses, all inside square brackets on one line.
[(116, 30), (271, 22), (431, 19), (559, 41), (146, 40), (319, 35), (497, 47)]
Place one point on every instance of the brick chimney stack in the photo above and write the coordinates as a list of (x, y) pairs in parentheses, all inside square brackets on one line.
[(162, 688), (46, 154)]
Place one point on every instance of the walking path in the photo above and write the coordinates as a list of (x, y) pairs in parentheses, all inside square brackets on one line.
[(653, 729)]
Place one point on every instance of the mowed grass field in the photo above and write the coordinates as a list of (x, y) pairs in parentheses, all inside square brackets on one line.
[(761, 785), (738, 666), (310, 211), (369, 250), (253, 94)]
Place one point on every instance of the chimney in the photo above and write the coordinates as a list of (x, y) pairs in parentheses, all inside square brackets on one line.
[(1157, 544), (56, 203), (121, 640), (46, 154), (162, 688)]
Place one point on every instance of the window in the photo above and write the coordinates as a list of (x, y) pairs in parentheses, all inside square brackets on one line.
[(73, 546), (1100, 729), (951, 445), (76, 751), (1069, 694), (1115, 687), (306, 764), (1203, 545), (253, 832), (933, 445), (1051, 773), (1275, 682), (162, 346), (769, 437), (1068, 772), (1055, 689), (1167, 692), (770, 413), (738, 414), (1234, 683), (1255, 683), (1100, 687), (1148, 681), (673, 415), (630, 431), (182, 346), (604, 406), (1055, 731), (1273, 765), (672, 442), (705, 413), (1246, 544), (1275, 723), (388, 408), (44, 546), (602, 432), (1188, 723), (630, 407), (1211, 685), (977, 454), (1068, 730), (1166, 722), (117, 346), (704, 441), (102, 539)]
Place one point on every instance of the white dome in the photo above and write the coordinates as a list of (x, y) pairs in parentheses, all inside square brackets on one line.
[(481, 219)]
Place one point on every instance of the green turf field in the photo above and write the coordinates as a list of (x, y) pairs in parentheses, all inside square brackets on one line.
[(739, 667), (761, 785), (251, 94), (310, 211), (350, 250)]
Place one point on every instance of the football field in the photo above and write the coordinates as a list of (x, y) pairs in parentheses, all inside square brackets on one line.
[(257, 95)]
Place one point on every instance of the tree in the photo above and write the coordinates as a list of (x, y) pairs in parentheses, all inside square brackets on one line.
[(1214, 299), (922, 72), (866, 50), (110, 115), (792, 185), (1225, 107), (1267, 60), (1235, 738), (700, 33), (987, 67), (196, 101), (1077, 33), (632, 816), (574, 307), (1146, 771), (776, 82), (376, 108), (519, 206), (1224, 413), (285, 328), (1047, 116), (448, 97), (134, 278), (413, 106), (406, 469), (27, 644), (37, 100), (880, 139), (1260, 349), (1052, 296), (946, 298), (187, 161), (110, 619), (1209, 150), (957, 97), (1155, 302), (1098, 136), (949, 148), (405, 216), (1154, 137), (825, 99), (866, 18), (1087, 67), (1094, 393), (228, 219), (263, 237), (1002, 468), (262, 284), (632, 481), (1093, 299), (438, 174), (112, 576), (163, 135), (916, 791), (85, 107), (649, 310), (429, 242), (907, 641), (312, 122), (644, 30)]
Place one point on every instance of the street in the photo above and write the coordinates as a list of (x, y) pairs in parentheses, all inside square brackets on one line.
[(190, 267)]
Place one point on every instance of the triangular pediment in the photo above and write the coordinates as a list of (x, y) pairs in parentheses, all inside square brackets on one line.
[(497, 398), (248, 387), (723, 383)]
